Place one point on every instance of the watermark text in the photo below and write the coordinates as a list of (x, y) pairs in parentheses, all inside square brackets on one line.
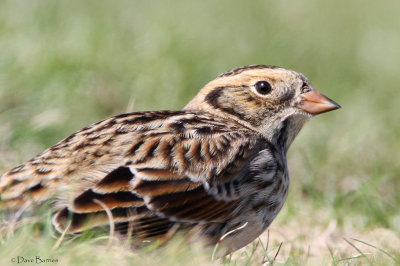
[(35, 260)]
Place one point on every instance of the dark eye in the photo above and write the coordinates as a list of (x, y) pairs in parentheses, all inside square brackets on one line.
[(263, 87), (305, 88)]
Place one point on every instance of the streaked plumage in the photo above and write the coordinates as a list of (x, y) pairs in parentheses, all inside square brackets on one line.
[(217, 165)]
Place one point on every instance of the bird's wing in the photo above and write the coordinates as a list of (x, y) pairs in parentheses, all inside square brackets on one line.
[(156, 166)]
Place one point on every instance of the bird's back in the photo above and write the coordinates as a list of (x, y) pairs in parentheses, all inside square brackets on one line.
[(163, 140)]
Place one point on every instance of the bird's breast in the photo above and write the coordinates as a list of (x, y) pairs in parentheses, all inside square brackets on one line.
[(270, 178)]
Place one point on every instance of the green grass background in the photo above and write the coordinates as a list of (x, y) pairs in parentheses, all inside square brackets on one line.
[(66, 64)]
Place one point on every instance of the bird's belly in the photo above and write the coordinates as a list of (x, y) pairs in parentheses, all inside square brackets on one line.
[(254, 218)]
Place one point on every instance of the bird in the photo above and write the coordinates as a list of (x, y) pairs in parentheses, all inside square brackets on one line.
[(215, 171)]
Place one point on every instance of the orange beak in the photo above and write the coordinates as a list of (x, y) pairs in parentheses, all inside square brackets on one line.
[(313, 102)]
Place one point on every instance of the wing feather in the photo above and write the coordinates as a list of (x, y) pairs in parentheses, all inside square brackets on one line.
[(175, 167)]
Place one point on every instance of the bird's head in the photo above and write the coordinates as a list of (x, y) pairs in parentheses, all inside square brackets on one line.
[(263, 98)]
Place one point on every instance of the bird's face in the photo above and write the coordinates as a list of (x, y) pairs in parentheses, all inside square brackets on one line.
[(262, 97)]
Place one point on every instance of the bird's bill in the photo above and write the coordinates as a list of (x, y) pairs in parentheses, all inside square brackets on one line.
[(314, 102)]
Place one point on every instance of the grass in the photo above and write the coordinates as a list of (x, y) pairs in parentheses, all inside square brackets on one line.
[(64, 65)]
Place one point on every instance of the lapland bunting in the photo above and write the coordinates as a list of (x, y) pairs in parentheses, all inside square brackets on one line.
[(215, 168)]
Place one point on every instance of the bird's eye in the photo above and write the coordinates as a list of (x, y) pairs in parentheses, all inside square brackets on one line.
[(263, 87), (305, 88)]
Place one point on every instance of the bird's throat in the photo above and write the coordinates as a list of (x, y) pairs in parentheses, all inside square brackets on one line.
[(287, 131)]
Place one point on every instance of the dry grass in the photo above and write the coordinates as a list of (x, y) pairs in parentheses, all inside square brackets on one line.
[(295, 243)]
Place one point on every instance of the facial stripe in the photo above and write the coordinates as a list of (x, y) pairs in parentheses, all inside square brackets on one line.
[(212, 97), (239, 102)]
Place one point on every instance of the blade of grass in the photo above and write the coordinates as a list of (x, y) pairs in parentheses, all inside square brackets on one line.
[(377, 248), (334, 261), (358, 250), (110, 219), (265, 249), (222, 238), (253, 250), (61, 238), (350, 258), (276, 255)]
